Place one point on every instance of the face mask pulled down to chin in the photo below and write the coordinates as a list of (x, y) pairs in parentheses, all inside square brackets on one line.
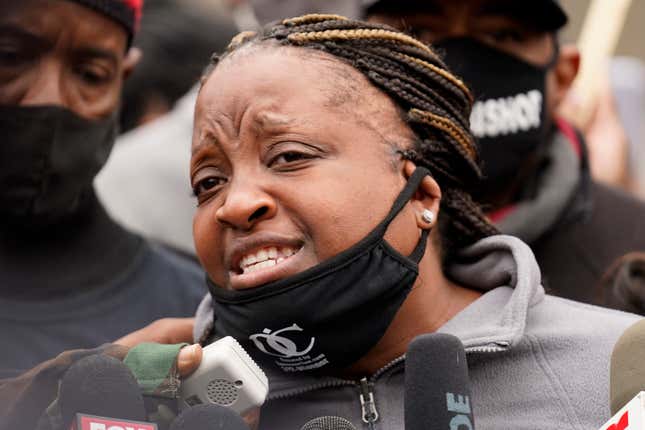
[(48, 159), (509, 118), (329, 316)]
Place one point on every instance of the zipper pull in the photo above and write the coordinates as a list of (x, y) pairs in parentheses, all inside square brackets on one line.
[(368, 406)]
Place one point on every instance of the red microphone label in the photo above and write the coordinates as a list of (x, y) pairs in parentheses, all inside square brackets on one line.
[(630, 417), (91, 422)]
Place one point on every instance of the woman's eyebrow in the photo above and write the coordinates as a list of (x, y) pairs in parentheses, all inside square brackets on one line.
[(267, 121), (208, 139)]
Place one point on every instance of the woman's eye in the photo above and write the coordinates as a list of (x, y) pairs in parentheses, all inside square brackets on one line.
[(289, 157), (207, 185)]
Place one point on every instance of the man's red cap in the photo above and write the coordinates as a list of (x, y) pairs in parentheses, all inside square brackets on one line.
[(125, 12)]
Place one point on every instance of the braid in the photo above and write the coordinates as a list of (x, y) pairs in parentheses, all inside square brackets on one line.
[(436, 103)]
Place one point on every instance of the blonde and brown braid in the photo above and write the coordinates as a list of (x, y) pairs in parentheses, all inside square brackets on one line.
[(436, 106)]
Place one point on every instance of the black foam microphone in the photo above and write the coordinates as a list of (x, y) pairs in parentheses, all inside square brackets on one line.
[(100, 385), (328, 423), (208, 417), (437, 387)]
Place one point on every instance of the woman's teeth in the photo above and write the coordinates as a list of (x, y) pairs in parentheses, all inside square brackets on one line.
[(265, 257)]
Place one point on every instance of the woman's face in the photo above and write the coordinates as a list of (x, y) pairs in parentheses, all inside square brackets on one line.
[(293, 161)]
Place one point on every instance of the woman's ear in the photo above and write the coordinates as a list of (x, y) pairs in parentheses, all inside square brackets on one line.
[(426, 200)]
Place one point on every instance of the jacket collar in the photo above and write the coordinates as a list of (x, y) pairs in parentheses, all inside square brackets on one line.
[(506, 269)]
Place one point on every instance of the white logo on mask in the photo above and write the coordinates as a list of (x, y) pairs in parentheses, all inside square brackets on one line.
[(495, 117), (280, 346)]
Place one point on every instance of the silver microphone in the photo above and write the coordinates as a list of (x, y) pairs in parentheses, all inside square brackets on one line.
[(328, 423)]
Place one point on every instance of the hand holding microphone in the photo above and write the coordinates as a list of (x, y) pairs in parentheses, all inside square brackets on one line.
[(106, 394)]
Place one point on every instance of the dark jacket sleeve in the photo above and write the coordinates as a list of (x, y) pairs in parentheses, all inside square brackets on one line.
[(574, 257)]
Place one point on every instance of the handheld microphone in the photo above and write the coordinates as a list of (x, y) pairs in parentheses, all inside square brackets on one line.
[(627, 380), (328, 423), (100, 385), (627, 375), (203, 417), (227, 376), (437, 388)]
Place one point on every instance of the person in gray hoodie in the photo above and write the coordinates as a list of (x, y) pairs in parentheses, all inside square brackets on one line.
[(325, 281)]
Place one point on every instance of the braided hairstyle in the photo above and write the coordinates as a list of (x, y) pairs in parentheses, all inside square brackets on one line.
[(434, 103)]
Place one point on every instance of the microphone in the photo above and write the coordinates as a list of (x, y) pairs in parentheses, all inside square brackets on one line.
[(437, 387), (627, 374), (328, 423), (627, 380), (227, 376), (103, 386), (208, 416)]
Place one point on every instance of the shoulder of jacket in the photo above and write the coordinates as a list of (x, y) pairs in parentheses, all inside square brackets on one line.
[(563, 316)]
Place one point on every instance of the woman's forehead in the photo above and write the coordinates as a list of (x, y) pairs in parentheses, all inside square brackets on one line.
[(265, 65), (285, 79)]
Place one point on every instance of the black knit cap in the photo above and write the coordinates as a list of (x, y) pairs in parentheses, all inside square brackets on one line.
[(545, 15), (125, 12)]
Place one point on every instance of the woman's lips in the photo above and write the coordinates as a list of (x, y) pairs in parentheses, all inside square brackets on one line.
[(266, 265)]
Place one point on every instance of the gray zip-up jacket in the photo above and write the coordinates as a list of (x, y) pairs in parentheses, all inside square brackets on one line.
[(535, 361)]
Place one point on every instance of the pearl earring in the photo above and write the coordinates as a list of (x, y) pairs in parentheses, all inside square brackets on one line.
[(428, 216)]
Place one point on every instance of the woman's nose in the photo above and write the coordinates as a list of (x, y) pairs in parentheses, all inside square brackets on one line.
[(244, 206)]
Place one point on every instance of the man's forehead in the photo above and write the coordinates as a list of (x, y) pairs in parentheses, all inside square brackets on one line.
[(440, 7), (124, 13), (538, 14), (40, 20)]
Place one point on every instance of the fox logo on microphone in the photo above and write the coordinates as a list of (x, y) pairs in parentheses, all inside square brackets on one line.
[(460, 406), (91, 422)]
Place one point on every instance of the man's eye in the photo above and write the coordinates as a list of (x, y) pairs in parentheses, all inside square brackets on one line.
[(94, 75), (507, 35), (10, 55), (424, 34)]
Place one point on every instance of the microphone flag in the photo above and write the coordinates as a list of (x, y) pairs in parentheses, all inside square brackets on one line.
[(93, 422), (630, 417)]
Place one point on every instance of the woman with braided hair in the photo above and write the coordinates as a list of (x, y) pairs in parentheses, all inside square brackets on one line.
[(326, 152)]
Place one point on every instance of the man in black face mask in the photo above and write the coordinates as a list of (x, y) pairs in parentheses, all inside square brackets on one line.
[(69, 276), (537, 183)]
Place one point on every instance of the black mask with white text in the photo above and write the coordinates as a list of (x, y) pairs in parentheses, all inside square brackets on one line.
[(509, 118), (49, 157), (330, 315)]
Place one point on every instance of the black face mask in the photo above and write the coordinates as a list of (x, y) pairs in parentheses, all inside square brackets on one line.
[(509, 118), (48, 159), (330, 315)]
